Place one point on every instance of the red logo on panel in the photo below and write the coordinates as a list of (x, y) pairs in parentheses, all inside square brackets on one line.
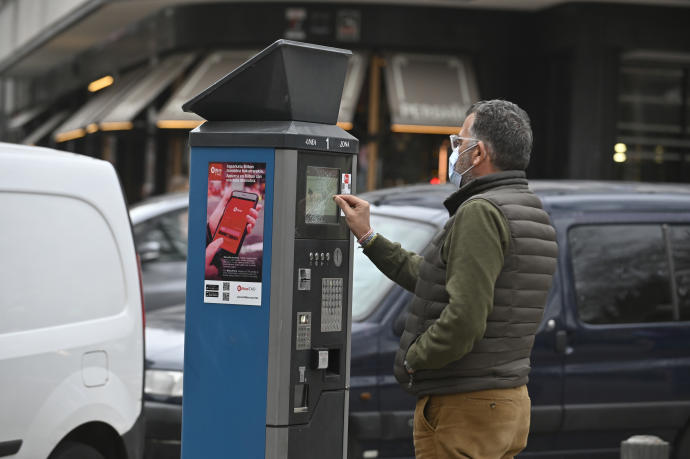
[(215, 171)]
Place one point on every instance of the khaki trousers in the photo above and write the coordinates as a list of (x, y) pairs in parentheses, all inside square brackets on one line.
[(487, 424)]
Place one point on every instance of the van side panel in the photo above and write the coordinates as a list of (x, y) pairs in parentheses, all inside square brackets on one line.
[(71, 331), (626, 357), (61, 264)]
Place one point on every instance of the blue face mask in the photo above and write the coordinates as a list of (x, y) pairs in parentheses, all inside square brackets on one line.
[(454, 176)]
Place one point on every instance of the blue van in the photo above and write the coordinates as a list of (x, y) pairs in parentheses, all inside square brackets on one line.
[(612, 355)]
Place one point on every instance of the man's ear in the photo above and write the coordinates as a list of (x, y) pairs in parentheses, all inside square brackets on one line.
[(481, 155)]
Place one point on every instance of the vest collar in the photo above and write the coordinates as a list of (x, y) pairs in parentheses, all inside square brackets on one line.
[(482, 184)]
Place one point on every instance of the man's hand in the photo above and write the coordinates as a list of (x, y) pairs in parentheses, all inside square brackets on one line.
[(356, 213)]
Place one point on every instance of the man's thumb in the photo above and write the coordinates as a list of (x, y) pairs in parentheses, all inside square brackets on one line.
[(343, 204)]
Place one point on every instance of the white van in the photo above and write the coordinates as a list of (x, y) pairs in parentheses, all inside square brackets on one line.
[(71, 310)]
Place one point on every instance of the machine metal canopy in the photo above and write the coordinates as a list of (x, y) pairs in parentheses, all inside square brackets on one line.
[(210, 70), (286, 81)]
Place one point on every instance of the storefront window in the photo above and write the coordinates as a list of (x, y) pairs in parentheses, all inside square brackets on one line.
[(409, 158), (653, 127)]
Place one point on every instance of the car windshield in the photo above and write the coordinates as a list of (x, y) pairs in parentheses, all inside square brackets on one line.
[(369, 284)]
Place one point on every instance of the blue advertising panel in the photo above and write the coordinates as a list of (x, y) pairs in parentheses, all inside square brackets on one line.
[(227, 304)]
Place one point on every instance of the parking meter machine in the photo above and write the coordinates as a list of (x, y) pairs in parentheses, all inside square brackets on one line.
[(269, 273)]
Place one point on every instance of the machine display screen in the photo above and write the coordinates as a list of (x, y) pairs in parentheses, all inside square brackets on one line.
[(322, 184)]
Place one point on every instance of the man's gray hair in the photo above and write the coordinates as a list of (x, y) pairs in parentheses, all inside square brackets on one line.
[(505, 129)]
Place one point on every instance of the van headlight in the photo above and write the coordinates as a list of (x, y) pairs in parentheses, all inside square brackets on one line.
[(163, 382)]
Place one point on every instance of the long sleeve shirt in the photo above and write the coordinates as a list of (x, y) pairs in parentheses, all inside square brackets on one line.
[(473, 250)]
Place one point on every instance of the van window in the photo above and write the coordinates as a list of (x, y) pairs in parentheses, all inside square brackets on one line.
[(621, 274), (680, 243), (60, 263)]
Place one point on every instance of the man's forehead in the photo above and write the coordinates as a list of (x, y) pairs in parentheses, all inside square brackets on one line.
[(466, 125)]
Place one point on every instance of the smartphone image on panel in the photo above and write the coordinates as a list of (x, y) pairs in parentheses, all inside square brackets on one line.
[(233, 224)]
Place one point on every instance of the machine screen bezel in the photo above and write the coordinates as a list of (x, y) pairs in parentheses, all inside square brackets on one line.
[(337, 229)]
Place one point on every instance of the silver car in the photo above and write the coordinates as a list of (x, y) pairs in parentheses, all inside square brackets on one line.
[(160, 236)]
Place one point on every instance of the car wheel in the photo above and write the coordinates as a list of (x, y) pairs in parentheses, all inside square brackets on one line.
[(74, 450)]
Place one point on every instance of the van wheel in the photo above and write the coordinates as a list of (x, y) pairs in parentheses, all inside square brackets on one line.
[(74, 450)]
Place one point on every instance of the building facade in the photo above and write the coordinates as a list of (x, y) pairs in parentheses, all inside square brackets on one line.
[(607, 85)]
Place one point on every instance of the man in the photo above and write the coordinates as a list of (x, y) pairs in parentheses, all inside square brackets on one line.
[(479, 291)]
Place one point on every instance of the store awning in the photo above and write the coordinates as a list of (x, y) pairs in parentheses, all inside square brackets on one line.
[(86, 119), (429, 94), (212, 69), (120, 115), (356, 71), (46, 128), (23, 117)]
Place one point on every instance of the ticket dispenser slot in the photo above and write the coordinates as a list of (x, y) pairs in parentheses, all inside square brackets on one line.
[(267, 331), (301, 398)]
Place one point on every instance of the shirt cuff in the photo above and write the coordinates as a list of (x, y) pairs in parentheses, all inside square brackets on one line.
[(375, 247), (370, 241)]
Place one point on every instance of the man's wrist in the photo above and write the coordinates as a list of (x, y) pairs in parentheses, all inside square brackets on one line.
[(367, 239), (366, 233)]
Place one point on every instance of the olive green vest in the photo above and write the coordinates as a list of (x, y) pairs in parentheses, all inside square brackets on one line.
[(501, 359)]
